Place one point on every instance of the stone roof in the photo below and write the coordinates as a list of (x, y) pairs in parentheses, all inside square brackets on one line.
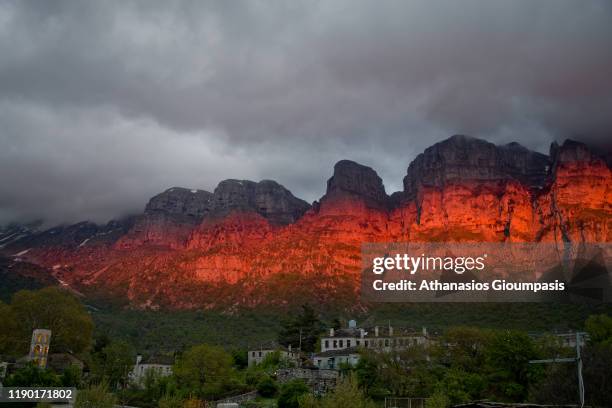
[(270, 345), (61, 361)]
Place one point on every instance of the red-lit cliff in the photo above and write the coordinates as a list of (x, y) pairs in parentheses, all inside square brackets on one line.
[(249, 243)]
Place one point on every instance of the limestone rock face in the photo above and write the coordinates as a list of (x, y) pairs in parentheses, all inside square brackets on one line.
[(250, 243), (266, 198), (168, 218), (355, 181), (181, 202), (463, 158), (578, 204)]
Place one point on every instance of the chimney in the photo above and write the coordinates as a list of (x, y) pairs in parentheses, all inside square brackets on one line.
[(331, 332), (390, 331), (289, 347), (138, 359), (361, 333), (424, 332), (376, 331)]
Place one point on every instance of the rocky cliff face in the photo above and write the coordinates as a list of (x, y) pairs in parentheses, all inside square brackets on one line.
[(190, 205), (577, 205), (463, 158), (356, 182), (266, 198), (168, 218), (251, 243)]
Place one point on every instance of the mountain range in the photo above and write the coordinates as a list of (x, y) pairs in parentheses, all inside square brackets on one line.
[(254, 243)]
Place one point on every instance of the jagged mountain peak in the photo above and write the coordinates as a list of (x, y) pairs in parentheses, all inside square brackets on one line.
[(465, 158), (267, 198), (572, 151), (180, 201), (354, 180), (165, 257)]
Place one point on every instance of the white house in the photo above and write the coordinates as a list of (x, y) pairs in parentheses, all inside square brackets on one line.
[(334, 359), (161, 365), (257, 356), (378, 338), (342, 345)]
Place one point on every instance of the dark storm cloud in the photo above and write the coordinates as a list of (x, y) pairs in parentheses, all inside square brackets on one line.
[(103, 104)]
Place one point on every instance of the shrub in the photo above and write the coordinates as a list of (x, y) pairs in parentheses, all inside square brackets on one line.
[(290, 393), (96, 396), (267, 387)]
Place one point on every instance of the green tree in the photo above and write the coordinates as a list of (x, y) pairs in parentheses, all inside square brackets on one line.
[(57, 310), (240, 358), (267, 387), (114, 363), (459, 386), (508, 355), (9, 329), (71, 377), (465, 347), (368, 375), (599, 328), (347, 394), (306, 325), (32, 376), (437, 400), (204, 370), (290, 394)]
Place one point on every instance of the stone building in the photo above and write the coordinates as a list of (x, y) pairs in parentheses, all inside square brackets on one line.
[(161, 365), (39, 347), (257, 356), (342, 345)]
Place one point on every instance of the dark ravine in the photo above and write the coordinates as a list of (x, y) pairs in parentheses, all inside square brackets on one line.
[(193, 248)]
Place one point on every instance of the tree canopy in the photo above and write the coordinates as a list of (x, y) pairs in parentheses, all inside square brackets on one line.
[(49, 308)]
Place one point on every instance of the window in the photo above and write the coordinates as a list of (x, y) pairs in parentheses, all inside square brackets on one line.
[(341, 343), (348, 343), (366, 343), (260, 354), (358, 342), (326, 344), (335, 343)]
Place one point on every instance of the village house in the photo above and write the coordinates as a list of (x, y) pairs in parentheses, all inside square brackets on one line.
[(334, 359), (377, 338), (60, 362), (257, 356), (161, 365), (341, 346)]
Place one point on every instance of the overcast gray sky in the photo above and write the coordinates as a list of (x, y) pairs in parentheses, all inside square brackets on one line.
[(105, 103)]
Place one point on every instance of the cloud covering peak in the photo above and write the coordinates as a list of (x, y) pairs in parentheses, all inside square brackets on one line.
[(103, 104)]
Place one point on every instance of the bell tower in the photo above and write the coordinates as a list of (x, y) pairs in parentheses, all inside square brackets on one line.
[(39, 347)]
